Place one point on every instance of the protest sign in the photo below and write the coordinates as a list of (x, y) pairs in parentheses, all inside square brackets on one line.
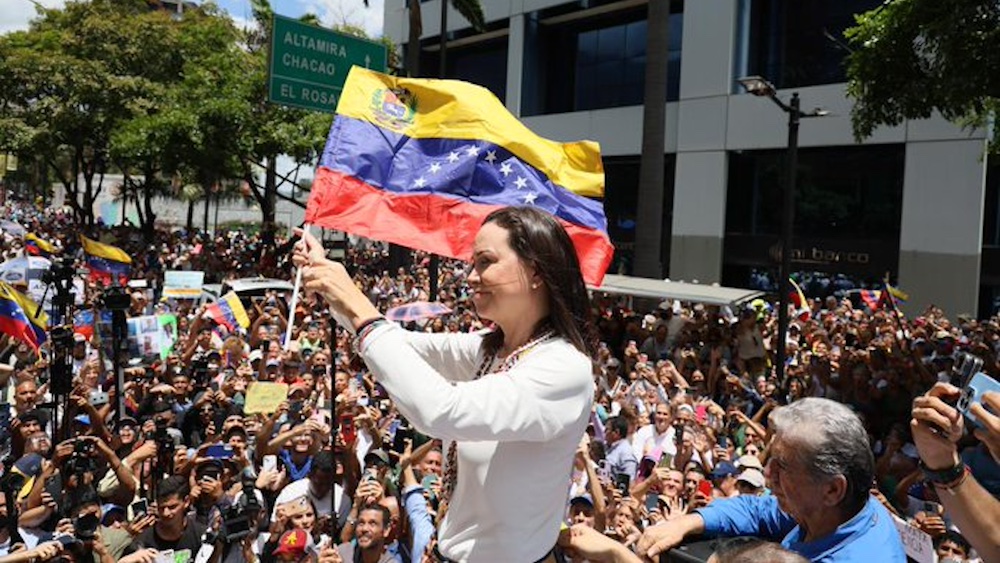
[(265, 397), (918, 544), (181, 284)]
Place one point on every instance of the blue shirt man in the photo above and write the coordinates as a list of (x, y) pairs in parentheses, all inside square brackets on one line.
[(620, 457), (820, 471), (869, 536)]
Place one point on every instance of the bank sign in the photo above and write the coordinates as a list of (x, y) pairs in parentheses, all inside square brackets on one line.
[(309, 64)]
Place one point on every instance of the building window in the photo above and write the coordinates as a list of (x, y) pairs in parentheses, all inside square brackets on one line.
[(593, 62), (483, 63), (621, 201), (848, 211), (801, 42), (843, 192)]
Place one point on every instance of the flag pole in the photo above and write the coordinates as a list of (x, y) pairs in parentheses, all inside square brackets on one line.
[(295, 297)]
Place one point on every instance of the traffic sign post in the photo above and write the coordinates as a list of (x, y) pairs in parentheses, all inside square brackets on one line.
[(309, 64)]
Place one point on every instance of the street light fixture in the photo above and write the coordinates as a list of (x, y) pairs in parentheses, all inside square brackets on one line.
[(759, 86)]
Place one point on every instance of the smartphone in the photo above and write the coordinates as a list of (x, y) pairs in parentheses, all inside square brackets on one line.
[(403, 433), (98, 398), (973, 393), (270, 463), (933, 508), (701, 413), (723, 442), (705, 488), (138, 509), (347, 429), (666, 460), (363, 401), (622, 483), (219, 451), (652, 502)]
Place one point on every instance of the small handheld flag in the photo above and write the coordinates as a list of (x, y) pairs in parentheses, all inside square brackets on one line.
[(229, 312), (105, 261)]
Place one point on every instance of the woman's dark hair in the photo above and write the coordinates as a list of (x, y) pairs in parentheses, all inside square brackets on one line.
[(542, 243)]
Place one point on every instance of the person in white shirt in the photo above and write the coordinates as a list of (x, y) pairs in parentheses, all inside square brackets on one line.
[(510, 403), (663, 439)]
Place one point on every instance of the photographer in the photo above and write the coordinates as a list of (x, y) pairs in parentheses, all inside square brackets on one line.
[(173, 528), (83, 523), (937, 426)]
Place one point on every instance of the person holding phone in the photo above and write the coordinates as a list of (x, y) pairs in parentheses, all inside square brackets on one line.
[(510, 403)]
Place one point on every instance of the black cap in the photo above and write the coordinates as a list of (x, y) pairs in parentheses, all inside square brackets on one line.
[(33, 415), (161, 406), (127, 421)]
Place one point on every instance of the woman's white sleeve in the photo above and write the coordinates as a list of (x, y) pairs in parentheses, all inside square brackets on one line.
[(454, 356), (534, 401)]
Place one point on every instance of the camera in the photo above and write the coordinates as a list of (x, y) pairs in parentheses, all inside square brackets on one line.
[(295, 415), (81, 460), (199, 370), (972, 393), (241, 517), (85, 526), (966, 366)]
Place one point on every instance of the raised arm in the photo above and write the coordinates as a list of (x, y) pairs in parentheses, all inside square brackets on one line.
[(547, 390)]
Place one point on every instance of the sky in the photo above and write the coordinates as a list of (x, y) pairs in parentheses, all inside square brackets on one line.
[(15, 14)]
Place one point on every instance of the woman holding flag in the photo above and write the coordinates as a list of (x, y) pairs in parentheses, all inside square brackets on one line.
[(510, 403)]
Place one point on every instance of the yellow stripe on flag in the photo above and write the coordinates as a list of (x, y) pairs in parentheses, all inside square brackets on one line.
[(576, 166), (106, 251), (43, 245)]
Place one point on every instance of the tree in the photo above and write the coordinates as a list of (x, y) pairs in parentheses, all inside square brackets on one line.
[(912, 57), (62, 91)]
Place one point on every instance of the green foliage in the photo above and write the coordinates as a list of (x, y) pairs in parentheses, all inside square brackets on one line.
[(912, 57), (168, 100)]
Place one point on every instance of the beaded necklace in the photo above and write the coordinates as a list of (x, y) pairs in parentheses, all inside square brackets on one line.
[(451, 460)]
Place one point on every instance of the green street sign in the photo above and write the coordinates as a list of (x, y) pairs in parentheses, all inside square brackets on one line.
[(309, 64)]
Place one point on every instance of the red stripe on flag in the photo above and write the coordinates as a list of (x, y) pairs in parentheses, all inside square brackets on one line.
[(439, 224)]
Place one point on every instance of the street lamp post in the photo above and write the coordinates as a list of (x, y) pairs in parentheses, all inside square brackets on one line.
[(758, 86)]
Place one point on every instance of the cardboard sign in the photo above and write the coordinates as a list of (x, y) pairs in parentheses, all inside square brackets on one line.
[(182, 284), (918, 544), (265, 397)]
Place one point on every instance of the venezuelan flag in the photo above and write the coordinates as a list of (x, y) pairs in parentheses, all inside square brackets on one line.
[(17, 317), (105, 261), (36, 246), (422, 163), (83, 321), (229, 312), (896, 293), (872, 298)]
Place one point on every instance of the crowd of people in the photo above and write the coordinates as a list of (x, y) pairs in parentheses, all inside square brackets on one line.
[(691, 433)]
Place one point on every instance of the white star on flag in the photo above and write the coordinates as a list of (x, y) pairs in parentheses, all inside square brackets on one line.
[(472, 151), (420, 182), (505, 169), (453, 157), (530, 198), (521, 183), (491, 156), (435, 167)]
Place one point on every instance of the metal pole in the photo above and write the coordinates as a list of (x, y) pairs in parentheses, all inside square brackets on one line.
[(432, 269), (787, 223)]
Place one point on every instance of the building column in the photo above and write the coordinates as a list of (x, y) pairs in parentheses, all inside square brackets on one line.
[(515, 63), (941, 232), (699, 216)]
